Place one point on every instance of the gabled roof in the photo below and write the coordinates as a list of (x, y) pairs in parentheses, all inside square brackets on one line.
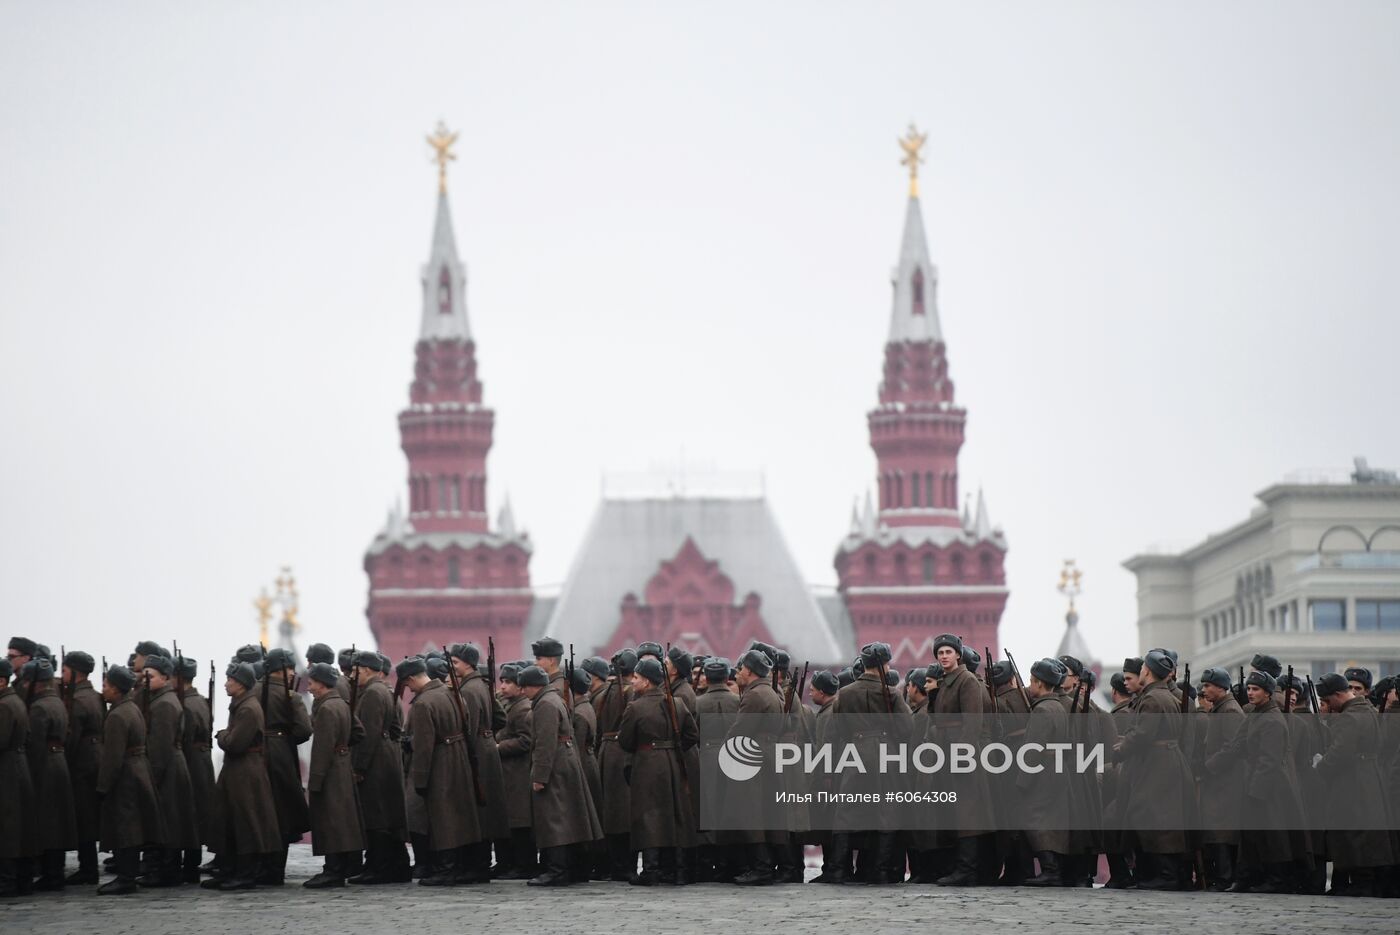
[(628, 540)]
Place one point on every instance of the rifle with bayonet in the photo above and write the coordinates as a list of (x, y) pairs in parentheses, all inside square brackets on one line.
[(675, 720), (65, 685), (991, 691), (354, 680), (802, 682), (569, 678), (467, 737), (1016, 674), (1287, 692)]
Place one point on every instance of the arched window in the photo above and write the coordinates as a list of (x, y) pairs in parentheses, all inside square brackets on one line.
[(913, 490), (442, 493), (870, 566), (456, 494), (918, 284), (957, 566), (985, 562), (444, 292), (454, 571), (899, 489), (928, 490), (928, 568), (901, 570)]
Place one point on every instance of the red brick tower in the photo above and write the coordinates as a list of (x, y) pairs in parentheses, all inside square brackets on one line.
[(440, 574), (918, 568)]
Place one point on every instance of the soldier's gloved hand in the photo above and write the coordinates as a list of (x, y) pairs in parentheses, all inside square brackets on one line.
[(1317, 758)]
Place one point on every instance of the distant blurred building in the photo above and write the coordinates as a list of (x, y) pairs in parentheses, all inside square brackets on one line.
[(705, 569), (1312, 577)]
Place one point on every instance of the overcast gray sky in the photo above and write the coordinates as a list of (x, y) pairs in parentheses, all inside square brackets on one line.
[(1166, 235)]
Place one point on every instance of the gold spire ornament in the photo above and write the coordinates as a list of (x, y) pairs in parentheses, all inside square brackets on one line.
[(263, 604), (1069, 582), (911, 143), (441, 141)]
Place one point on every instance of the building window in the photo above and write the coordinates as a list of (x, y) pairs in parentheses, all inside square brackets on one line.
[(1378, 615), (985, 560), (957, 566), (901, 572), (914, 490), (442, 494), (444, 292), (899, 489), (454, 571), (928, 568), (870, 566), (928, 489), (1205, 631), (918, 284), (1328, 615)]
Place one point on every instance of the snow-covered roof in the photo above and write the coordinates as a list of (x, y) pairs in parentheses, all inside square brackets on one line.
[(628, 540)]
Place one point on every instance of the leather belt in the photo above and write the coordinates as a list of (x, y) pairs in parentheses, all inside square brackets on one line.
[(658, 745), (55, 747), (385, 735), (92, 738), (487, 733), (179, 746), (136, 751), (1169, 744), (450, 739), (203, 747), (567, 741), (341, 749), (274, 733), (609, 735)]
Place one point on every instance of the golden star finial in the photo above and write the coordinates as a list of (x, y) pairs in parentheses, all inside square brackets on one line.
[(1069, 581), (911, 143), (441, 141)]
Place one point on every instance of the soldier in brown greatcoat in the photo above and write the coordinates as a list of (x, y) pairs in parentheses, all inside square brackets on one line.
[(956, 714), (513, 743), (1357, 841), (84, 747), (585, 723), (16, 781), (440, 772), (616, 816), (480, 707), (245, 818), (1221, 792), (756, 696), (378, 768), (678, 665), (165, 714), (130, 816), (198, 743), (54, 830), (563, 807), (662, 817), (288, 726), (330, 781), (825, 685), (1045, 795)]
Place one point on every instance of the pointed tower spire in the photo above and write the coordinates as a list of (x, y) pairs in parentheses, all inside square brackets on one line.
[(855, 517), (983, 529), (967, 513), (505, 520), (914, 314), (444, 276), (867, 521)]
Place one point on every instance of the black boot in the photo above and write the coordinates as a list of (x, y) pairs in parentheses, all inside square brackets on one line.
[(789, 864), (392, 862), (1166, 877), (889, 860), (87, 864), (7, 878), (444, 864), (1222, 868), (274, 871), (555, 867), (504, 861), (836, 859), (524, 864), (128, 862), (1119, 876), (422, 857), (244, 873), (1049, 874), (965, 870), (332, 875), (650, 874), (687, 866), (50, 872), (469, 868), (760, 872), (620, 859)]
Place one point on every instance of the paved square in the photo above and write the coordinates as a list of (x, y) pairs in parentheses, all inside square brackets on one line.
[(511, 906)]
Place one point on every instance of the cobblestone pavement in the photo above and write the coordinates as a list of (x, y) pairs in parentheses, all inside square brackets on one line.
[(511, 907)]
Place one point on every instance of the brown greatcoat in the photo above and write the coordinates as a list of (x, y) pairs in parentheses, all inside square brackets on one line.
[(84, 749), (1221, 792), (330, 781), (288, 727), (662, 815), (14, 774), (245, 819), (563, 809), (377, 762), (478, 703), (759, 698), (54, 828), (715, 710), (585, 723), (440, 772), (130, 812), (198, 743), (1157, 777), (513, 744), (1358, 816), (169, 771), (1042, 799), (956, 711), (609, 703), (1271, 816)]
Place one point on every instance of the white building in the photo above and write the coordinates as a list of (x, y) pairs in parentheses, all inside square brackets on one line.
[(1312, 577)]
